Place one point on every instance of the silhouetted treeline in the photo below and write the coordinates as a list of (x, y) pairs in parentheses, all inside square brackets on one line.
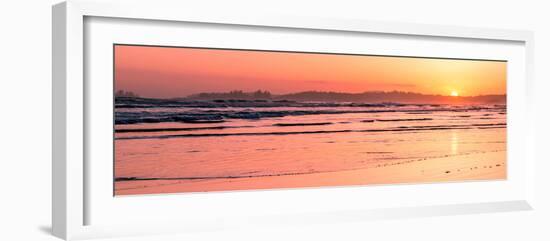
[(365, 97), (234, 95), (123, 93), (393, 96)]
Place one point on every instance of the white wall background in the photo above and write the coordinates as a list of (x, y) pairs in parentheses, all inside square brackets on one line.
[(25, 120)]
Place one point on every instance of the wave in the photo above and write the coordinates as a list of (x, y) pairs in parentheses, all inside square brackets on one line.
[(130, 102), (303, 124), (220, 116), (398, 129), (126, 179), (420, 113), (411, 119), (177, 129)]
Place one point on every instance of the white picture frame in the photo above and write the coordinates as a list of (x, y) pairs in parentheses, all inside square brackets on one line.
[(75, 196)]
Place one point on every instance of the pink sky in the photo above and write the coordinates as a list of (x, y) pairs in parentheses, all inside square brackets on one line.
[(164, 72)]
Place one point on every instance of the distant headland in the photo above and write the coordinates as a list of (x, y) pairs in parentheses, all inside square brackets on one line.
[(323, 96)]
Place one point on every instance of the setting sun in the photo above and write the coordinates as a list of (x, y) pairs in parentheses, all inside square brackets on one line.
[(454, 93)]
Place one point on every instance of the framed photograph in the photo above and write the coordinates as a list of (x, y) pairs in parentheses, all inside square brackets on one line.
[(180, 121)]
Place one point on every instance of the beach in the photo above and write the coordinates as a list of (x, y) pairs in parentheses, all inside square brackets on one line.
[(477, 166)]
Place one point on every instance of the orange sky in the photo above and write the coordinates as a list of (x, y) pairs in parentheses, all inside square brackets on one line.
[(164, 72)]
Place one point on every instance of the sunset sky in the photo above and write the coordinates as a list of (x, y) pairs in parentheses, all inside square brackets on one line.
[(165, 72)]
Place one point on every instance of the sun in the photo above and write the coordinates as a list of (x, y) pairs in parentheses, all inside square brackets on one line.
[(454, 93)]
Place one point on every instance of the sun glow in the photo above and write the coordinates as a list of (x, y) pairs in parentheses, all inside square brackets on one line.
[(179, 72), (454, 93)]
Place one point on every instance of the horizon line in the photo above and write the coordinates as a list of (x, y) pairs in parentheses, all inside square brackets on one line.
[(335, 92)]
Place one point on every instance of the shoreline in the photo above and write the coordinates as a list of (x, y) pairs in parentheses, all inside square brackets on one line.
[(468, 167)]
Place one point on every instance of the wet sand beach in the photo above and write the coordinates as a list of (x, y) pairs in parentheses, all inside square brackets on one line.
[(476, 166)]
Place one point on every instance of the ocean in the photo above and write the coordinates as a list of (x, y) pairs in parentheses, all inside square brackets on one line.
[(167, 146)]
